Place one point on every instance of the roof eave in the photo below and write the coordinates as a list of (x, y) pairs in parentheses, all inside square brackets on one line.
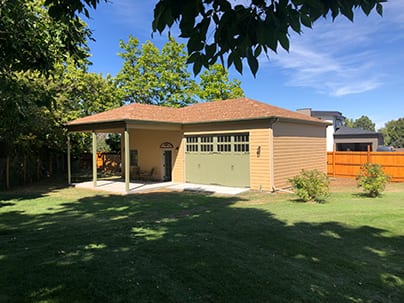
[(112, 124), (286, 119)]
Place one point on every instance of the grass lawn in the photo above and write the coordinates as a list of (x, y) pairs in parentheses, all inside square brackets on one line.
[(71, 245)]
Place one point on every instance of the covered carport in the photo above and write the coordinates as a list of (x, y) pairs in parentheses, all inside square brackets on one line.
[(101, 127)]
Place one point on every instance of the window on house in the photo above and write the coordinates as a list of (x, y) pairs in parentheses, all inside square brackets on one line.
[(133, 157)]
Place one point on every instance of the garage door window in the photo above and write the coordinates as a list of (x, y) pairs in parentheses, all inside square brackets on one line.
[(207, 144), (224, 144), (241, 143), (192, 144)]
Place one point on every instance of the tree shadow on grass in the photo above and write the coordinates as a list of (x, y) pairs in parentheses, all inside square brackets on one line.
[(182, 247), (32, 191)]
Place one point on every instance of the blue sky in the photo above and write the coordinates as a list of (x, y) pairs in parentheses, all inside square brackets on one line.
[(355, 68)]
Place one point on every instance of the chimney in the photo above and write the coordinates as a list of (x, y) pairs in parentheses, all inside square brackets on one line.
[(304, 111)]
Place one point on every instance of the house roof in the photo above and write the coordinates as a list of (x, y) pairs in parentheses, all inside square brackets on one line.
[(322, 113), (342, 131), (215, 111)]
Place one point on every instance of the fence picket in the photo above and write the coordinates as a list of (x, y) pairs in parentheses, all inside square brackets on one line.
[(347, 164)]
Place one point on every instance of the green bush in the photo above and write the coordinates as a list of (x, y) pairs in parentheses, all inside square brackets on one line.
[(372, 179), (311, 185)]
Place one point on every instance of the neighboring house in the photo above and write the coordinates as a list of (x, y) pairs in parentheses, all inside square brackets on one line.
[(237, 142), (342, 138)]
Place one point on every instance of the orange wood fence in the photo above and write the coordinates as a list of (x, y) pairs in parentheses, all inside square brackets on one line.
[(347, 164), (108, 161)]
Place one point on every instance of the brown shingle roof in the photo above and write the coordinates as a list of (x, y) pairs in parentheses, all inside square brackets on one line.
[(226, 110)]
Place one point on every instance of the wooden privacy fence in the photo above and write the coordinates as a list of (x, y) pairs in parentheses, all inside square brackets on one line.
[(109, 162), (347, 164)]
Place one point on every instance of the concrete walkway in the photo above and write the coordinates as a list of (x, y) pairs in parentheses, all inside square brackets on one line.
[(118, 187)]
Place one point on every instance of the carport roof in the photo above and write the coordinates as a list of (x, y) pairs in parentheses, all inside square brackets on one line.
[(216, 111)]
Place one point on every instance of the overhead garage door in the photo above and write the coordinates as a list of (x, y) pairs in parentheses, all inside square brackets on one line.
[(222, 159)]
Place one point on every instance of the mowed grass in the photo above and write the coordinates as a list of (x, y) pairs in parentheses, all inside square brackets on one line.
[(71, 245)]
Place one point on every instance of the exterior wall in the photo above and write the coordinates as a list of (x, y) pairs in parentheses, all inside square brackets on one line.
[(330, 136), (350, 143), (150, 155), (260, 162), (178, 165), (260, 136), (297, 146)]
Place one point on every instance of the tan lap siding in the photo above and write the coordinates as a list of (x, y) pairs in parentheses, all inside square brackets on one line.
[(260, 162), (297, 147), (150, 155), (178, 165)]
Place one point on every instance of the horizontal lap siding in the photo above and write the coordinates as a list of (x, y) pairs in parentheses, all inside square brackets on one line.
[(297, 147), (260, 163), (178, 166), (147, 143)]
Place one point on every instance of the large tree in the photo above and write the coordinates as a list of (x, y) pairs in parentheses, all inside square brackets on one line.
[(363, 122), (393, 132), (153, 77), (215, 84), (237, 31), (81, 93), (32, 39)]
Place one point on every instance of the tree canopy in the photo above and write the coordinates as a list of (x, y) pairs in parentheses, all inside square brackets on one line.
[(224, 30), (393, 132), (363, 122), (31, 39), (152, 77), (216, 85)]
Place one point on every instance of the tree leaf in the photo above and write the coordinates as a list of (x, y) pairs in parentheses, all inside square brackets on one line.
[(252, 62)]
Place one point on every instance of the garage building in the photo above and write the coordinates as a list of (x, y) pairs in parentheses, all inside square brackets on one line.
[(238, 142)]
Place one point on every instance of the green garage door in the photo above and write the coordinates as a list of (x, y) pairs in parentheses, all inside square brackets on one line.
[(218, 159)]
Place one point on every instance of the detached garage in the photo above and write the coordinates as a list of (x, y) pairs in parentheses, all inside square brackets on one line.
[(238, 142), (218, 159)]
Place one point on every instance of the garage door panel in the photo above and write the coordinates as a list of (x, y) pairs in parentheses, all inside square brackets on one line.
[(218, 168)]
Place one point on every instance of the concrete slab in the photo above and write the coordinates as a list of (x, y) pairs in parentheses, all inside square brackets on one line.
[(118, 187), (213, 189)]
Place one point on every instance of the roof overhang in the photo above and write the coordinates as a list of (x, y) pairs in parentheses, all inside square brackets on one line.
[(120, 125)]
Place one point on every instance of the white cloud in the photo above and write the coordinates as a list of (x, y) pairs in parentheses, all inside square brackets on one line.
[(342, 58)]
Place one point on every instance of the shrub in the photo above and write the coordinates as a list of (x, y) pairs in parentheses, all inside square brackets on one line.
[(311, 185), (372, 179)]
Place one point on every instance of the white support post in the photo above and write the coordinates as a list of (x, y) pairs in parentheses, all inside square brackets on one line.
[(69, 168), (127, 160), (94, 159)]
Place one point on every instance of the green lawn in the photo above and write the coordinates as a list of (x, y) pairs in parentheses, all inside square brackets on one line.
[(71, 245)]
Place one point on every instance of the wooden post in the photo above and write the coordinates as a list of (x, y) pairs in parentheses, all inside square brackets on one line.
[(127, 160), (24, 169), (94, 159), (69, 168), (38, 169), (8, 172), (50, 164), (368, 154), (333, 163)]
